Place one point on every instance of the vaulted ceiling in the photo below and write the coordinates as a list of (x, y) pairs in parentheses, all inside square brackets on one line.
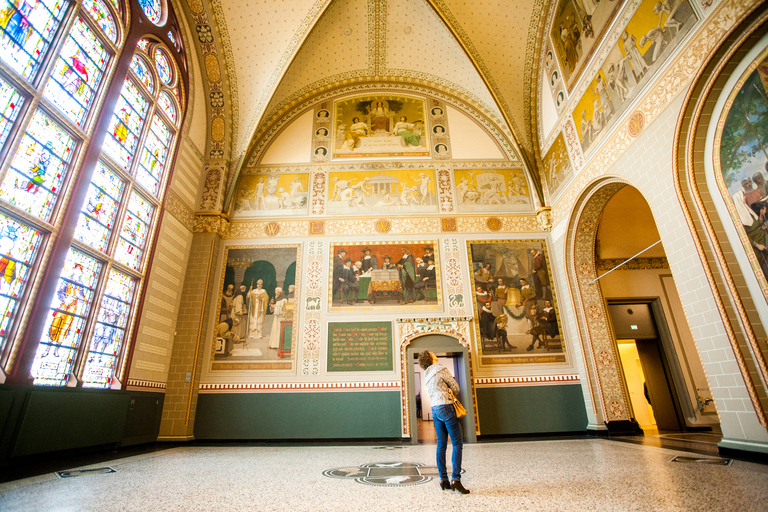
[(277, 51)]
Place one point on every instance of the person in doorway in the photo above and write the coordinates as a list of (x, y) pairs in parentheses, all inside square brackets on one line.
[(440, 383)]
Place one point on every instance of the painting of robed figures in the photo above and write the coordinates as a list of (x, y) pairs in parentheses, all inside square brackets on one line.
[(384, 275), (516, 317), (741, 163), (382, 192), (256, 312), (380, 126)]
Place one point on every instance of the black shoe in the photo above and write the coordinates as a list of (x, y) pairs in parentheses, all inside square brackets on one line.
[(457, 487), (530, 347), (445, 485)]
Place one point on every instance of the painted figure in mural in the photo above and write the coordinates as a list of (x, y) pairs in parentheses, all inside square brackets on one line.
[(427, 278), (598, 117), (338, 260), (387, 264), (656, 36), (410, 132), (339, 186), (501, 322), (487, 322), (406, 266), (636, 60), (759, 182), (617, 79), (426, 181), (239, 313), (588, 6), (550, 319), (296, 188), (538, 328), (368, 260), (483, 297), (277, 315), (586, 130), (754, 224), (668, 7), (226, 302), (441, 149), (350, 284), (258, 300), (540, 275), (461, 189), (259, 195), (484, 276), (356, 130), (567, 37), (355, 194), (379, 117), (500, 293), (751, 195), (429, 253), (528, 296), (601, 91)]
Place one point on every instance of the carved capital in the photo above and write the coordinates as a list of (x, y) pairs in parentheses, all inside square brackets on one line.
[(217, 224), (544, 218)]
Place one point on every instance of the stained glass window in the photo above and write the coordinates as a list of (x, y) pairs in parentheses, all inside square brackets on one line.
[(109, 332), (142, 72), (37, 170), (64, 328), (173, 39), (18, 245), (26, 30), (125, 128), (98, 214), (143, 45), (166, 104), (163, 67), (153, 10), (176, 95), (77, 73), (10, 101), (133, 236), (100, 14), (153, 157), (116, 4)]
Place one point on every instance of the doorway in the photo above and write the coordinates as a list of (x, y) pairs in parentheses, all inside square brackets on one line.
[(454, 356)]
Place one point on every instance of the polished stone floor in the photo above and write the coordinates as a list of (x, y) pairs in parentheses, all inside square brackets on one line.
[(562, 475)]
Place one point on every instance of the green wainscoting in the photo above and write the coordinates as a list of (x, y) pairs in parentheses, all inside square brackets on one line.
[(348, 415), (531, 409)]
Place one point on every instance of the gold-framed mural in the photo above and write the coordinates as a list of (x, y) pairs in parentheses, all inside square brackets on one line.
[(265, 194), (651, 35), (393, 192), (740, 157), (256, 315), (491, 190), (515, 305), (577, 29), (380, 126), (395, 276), (557, 166)]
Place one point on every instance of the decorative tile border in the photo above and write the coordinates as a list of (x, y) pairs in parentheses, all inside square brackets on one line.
[(454, 289), (301, 386), (313, 316), (488, 382), (383, 166), (179, 210), (140, 385), (635, 264)]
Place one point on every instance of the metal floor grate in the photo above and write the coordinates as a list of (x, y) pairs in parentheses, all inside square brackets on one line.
[(702, 460), (71, 473)]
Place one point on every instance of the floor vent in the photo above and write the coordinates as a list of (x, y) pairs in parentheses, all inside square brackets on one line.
[(388, 447), (702, 460), (71, 473)]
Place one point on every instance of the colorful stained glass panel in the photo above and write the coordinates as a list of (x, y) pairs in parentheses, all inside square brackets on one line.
[(38, 168), (133, 236), (166, 104), (153, 10), (153, 157), (109, 331), (98, 214), (26, 30), (18, 246), (97, 10), (125, 128), (64, 328), (143, 45), (10, 104), (163, 67), (78, 72), (141, 70)]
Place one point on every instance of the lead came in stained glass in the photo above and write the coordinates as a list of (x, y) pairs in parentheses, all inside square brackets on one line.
[(167, 106), (64, 329), (38, 168), (10, 103), (96, 219), (100, 14), (155, 151), (120, 142), (18, 247), (77, 74), (153, 10), (133, 236), (26, 30), (109, 333), (163, 67), (142, 72)]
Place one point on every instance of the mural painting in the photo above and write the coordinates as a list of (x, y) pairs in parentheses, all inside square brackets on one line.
[(654, 31), (380, 126), (272, 194), (382, 192), (516, 319), (741, 163), (384, 275), (490, 190), (557, 166), (577, 29), (256, 314)]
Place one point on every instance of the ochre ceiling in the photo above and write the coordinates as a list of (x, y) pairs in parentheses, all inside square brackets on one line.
[(279, 50)]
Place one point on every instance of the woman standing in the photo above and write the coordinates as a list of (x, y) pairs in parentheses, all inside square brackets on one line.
[(440, 383)]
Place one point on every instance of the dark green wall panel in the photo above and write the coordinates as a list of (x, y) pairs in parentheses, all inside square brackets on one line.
[(371, 414), (531, 409)]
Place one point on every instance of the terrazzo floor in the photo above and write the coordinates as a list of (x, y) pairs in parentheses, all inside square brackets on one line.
[(562, 475)]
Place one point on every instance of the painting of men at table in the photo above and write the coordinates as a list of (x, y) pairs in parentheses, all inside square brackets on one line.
[(384, 275), (515, 306)]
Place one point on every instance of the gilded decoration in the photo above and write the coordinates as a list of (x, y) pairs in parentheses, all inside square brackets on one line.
[(179, 209), (407, 330), (636, 124), (604, 265), (454, 288), (491, 190), (556, 168), (216, 224), (313, 318), (544, 218)]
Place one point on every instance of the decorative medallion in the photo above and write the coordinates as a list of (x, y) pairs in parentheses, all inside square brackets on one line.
[(317, 227), (388, 474), (449, 224), (636, 124), (383, 226), (493, 223), (272, 229)]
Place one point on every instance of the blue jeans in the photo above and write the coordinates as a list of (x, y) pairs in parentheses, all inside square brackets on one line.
[(447, 424)]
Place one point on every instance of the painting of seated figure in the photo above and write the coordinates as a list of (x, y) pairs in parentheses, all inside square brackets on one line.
[(376, 126)]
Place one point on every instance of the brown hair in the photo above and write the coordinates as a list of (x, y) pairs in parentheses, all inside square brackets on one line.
[(425, 359)]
